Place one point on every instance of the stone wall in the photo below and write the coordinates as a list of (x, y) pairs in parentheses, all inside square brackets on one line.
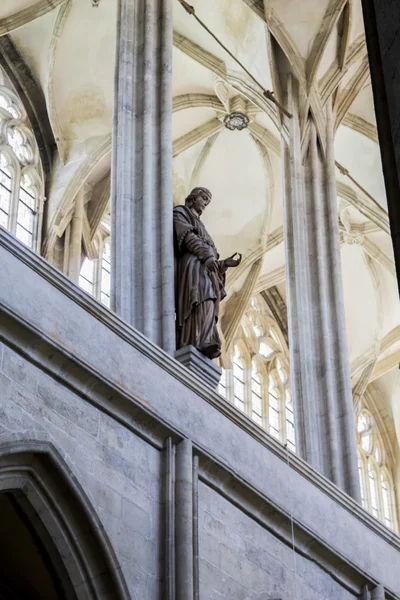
[(119, 472), (241, 559), (195, 499)]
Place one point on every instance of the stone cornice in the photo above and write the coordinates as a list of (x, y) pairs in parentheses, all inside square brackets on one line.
[(96, 379)]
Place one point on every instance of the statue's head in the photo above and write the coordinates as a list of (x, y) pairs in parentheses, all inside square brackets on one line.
[(199, 198)]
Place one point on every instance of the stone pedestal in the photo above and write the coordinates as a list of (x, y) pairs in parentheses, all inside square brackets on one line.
[(199, 364)]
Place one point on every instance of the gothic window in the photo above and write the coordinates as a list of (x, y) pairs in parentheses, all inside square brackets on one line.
[(223, 384), (238, 380), (274, 405), (26, 214), (105, 273), (21, 177), (5, 191), (377, 490), (266, 350), (94, 276), (289, 416), (258, 382), (257, 412), (87, 275)]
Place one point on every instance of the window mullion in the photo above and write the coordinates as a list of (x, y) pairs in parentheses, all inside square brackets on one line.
[(98, 272), (393, 505), (265, 403), (15, 185), (229, 386), (370, 492), (247, 391), (381, 510), (39, 206)]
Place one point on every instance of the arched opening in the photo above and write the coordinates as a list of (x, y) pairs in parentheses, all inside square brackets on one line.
[(30, 566), (52, 543), (258, 382)]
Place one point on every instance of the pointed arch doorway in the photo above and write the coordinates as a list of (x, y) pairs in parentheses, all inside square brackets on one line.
[(52, 543)]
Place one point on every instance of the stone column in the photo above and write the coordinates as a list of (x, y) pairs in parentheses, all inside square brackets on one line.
[(141, 184), (184, 521), (75, 238), (320, 373)]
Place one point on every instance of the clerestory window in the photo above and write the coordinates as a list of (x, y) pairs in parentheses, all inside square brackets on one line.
[(94, 276), (258, 382), (377, 489), (21, 176)]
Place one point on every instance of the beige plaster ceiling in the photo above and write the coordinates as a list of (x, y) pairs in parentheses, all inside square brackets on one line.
[(363, 105), (361, 156)]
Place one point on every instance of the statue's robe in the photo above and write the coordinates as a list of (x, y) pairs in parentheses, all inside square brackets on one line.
[(199, 286)]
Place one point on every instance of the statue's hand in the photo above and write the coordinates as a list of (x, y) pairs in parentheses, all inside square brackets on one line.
[(232, 261)]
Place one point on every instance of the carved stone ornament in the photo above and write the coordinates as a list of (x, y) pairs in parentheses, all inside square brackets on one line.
[(236, 120)]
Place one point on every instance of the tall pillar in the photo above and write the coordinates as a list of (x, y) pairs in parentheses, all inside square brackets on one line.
[(320, 373), (75, 238), (142, 290)]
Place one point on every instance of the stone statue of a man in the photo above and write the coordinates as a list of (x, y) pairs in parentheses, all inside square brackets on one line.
[(199, 277)]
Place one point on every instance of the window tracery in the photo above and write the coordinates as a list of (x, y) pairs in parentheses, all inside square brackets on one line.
[(21, 175), (258, 382), (377, 489)]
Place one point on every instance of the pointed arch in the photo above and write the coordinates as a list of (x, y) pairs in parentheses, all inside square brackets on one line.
[(60, 512)]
